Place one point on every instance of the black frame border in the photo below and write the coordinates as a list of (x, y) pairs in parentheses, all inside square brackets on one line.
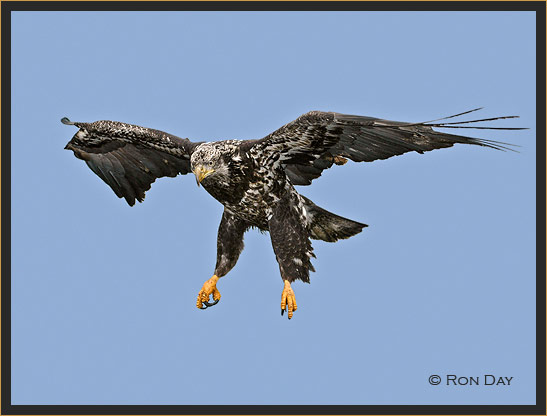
[(8, 6)]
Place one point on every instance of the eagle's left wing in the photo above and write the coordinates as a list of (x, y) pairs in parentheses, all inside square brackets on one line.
[(317, 140), (129, 158)]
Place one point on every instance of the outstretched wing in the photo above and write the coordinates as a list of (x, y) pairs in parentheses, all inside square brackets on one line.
[(129, 158), (317, 140)]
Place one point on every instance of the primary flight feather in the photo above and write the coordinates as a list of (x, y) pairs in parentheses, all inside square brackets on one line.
[(255, 179)]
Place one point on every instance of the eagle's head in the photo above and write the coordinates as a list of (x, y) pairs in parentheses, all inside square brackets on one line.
[(210, 161)]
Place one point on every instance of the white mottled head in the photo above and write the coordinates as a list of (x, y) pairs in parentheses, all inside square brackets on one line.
[(211, 160)]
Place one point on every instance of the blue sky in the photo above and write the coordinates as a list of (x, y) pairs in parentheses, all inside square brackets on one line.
[(442, 282)]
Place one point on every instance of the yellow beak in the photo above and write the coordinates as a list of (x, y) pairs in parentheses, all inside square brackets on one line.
[(201, 173)]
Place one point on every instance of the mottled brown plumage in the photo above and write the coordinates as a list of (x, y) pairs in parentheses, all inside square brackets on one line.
[(255, 179)]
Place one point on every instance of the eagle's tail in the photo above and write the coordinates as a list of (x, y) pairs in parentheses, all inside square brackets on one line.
[(326, 226)]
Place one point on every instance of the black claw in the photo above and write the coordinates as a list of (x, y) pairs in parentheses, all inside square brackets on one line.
[(211, 304), (206, 304), (282, 312)]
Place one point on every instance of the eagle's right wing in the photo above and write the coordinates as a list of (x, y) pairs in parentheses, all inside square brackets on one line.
[(129, 158)]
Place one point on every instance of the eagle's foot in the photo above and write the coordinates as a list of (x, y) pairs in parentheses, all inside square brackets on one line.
[(209, 288), (288, 301)]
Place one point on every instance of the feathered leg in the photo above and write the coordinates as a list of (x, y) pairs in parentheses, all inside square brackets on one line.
[(229, 247), (292, 246)]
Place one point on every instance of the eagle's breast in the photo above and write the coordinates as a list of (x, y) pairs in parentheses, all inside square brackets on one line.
[(245, 185)]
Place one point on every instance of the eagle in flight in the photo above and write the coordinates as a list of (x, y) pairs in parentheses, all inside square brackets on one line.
[(255, 179)]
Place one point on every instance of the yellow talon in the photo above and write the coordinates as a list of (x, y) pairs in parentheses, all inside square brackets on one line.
[(288, 300), (209, 288)]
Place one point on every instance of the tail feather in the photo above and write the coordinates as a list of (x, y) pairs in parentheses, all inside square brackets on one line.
[(326, 226)]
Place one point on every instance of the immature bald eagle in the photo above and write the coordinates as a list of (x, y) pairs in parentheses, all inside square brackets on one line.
[(254, 179)]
